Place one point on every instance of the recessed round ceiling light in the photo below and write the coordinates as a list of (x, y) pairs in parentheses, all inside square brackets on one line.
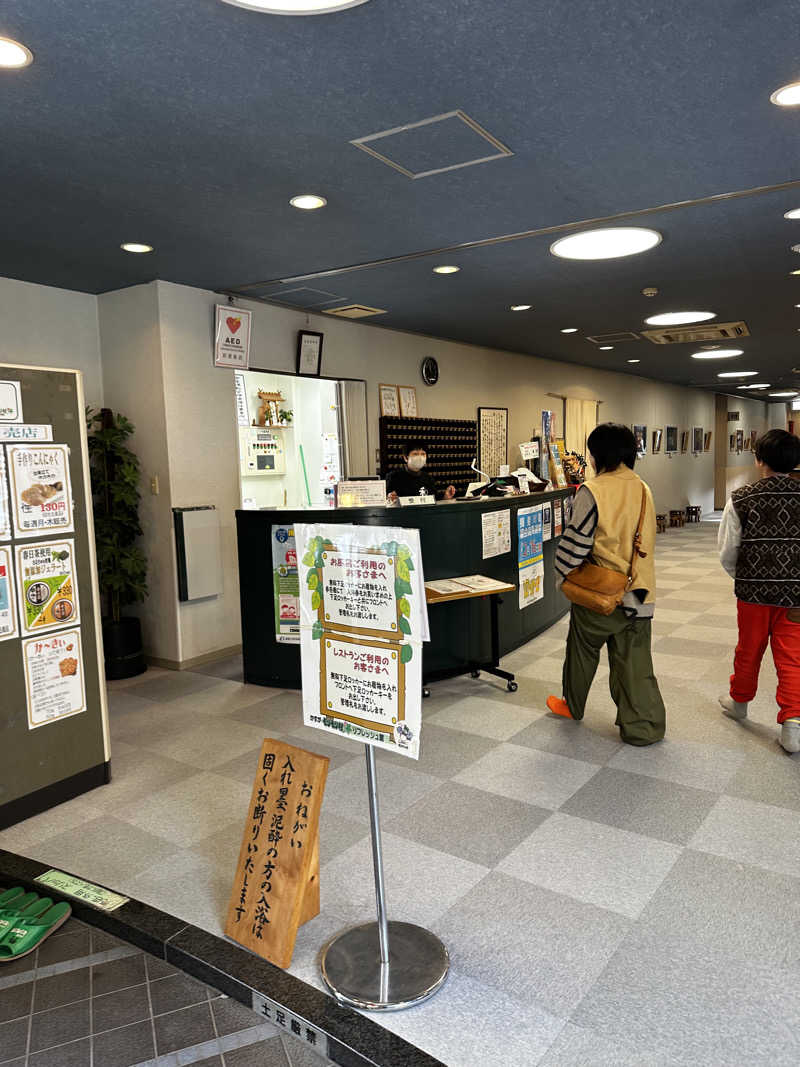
[(296, 7), (718, 353), (793, 214), (14, 55), (787, 95), (737, 374), (570, 329), (680, 318), (446, 270), (132, 246), (308, 201), (606, 244), (521, 307), (634, 361), (790, 392), (606, 348)]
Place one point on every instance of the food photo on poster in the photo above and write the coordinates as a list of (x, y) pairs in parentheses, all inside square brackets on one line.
[(41, 495), (47, 584)]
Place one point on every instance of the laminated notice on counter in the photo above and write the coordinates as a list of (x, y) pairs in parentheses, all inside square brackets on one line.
[(54, 682), (48, 587), (285, 586), (8, 604), (41, 494)]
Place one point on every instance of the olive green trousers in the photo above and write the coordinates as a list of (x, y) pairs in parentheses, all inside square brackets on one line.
[(641, 717)]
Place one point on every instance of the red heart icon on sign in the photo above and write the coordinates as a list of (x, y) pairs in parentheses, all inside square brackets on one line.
[(233, 324)]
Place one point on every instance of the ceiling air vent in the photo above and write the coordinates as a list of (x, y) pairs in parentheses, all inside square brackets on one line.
[(613, 338), (354, 311), (721, 331)]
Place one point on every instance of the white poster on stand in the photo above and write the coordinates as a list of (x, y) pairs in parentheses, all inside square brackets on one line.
[(10, 402), (496, 533), (363, 618), (41, 494), (47, 585), (54, 682), (5, 511), (8, 604)]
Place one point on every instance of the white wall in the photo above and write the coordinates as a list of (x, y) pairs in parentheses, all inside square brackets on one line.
[(47, 327)]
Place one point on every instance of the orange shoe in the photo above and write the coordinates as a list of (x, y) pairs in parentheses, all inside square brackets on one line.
[(558, 707)]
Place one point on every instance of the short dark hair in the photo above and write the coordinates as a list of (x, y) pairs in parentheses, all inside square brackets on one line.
[(413, 444), (779, 449), (610, 444)]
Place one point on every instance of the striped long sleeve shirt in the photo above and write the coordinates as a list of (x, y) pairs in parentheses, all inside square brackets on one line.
[(576, 545)]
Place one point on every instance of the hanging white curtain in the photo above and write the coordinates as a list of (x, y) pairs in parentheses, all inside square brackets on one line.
[(581, 419)]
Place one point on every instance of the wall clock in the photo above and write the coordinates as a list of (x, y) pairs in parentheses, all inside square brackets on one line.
[(430, 371)]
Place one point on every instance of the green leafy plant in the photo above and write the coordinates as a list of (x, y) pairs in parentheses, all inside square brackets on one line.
[(285, 415), (115, 472)]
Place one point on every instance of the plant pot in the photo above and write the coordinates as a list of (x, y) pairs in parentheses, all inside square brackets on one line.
[(122, 642)]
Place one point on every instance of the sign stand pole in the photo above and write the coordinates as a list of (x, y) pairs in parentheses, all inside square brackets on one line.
[(383, 966)]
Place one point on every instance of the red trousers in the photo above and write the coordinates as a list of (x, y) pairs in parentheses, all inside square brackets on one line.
[(760, 625)]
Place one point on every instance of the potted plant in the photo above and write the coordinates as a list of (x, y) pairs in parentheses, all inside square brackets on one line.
[(121, 564)]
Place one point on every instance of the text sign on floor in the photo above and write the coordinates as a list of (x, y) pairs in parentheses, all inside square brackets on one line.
[(276, 887), (70, 886), (291, 1023)]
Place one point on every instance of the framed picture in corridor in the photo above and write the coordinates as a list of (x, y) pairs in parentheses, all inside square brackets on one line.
[(707, 441), (671, 443), (657, 435), (684, 440), (739, 440), (640, 433), (697, 439)]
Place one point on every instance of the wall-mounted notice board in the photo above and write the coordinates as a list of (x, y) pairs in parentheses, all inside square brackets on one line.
[(53, 716), (492, 440)]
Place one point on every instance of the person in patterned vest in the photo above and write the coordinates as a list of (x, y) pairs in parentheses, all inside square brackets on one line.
[(759, 546)]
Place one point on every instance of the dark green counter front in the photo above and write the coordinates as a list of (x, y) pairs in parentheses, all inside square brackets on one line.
[(452, 545)]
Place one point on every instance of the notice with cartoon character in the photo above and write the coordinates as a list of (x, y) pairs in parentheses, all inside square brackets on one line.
[(54, 682), (285, 586), (47, 585), (41, 495), (363, 619), (8, 607)]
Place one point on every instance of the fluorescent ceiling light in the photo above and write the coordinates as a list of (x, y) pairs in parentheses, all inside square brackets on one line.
[(308, 202), (14, 55), (791, 392), (793, 214), (737, 374), (520, 307), (446, 270), (794, 271), (606, 348), (680, 318), (606, 244), (296, 7), (787, 95), (718, 353), (132, 246), (634, 361), (570, 329)]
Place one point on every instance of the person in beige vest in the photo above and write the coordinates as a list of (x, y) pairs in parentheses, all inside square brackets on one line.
[(604, 519)]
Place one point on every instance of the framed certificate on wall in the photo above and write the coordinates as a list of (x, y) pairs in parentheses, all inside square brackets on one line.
[(309, 353), (408, 401), (389, 402)]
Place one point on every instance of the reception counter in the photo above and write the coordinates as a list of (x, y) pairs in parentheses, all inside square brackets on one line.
[(452, 545)]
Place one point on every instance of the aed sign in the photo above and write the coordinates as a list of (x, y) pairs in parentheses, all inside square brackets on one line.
[(232, 337)]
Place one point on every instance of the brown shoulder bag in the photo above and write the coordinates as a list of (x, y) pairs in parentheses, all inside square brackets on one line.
[(599, 588)]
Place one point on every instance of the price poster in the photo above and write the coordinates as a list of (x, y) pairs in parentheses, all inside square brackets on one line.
[(5, 515), (8, 604), (54, 682), (285, 586), (530, 555), (41, 495), (363, 621), (48, 588)]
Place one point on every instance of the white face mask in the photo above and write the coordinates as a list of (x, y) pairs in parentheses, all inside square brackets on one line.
[(416, 463)]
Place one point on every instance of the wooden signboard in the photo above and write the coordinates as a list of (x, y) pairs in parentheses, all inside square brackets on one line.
[(276, 888)]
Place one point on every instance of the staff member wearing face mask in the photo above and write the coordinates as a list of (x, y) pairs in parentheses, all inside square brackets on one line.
[(412, 479)]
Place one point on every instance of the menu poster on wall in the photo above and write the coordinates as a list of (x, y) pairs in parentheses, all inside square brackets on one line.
[(547, 521), (558, 522), (54, 683), (48, 588), (232, 337), (5, 514), (285, 586), (8, 606), (530, 555), (496, 533), (10, 402), (41, 494), (363, 621)]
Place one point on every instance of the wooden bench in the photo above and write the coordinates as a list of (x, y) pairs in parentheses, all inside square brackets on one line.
[(677, 517), (661, 523), (693, 513)]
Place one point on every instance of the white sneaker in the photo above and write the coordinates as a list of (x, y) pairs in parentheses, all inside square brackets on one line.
[(733, 708), (790, 735)]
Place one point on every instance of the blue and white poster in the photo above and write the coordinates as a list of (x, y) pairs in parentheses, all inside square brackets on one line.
[(530, 555)]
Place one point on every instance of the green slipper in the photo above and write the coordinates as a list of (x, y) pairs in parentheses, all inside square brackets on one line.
[(29, 931), (20, 905), (9, 895)]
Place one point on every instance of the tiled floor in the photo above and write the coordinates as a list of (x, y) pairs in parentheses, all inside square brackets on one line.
[(601, 904), (85, 999)]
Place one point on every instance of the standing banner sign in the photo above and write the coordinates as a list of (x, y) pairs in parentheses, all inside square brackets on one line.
[(530, 555), (363, 618), (285, 585), (232, 337)]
